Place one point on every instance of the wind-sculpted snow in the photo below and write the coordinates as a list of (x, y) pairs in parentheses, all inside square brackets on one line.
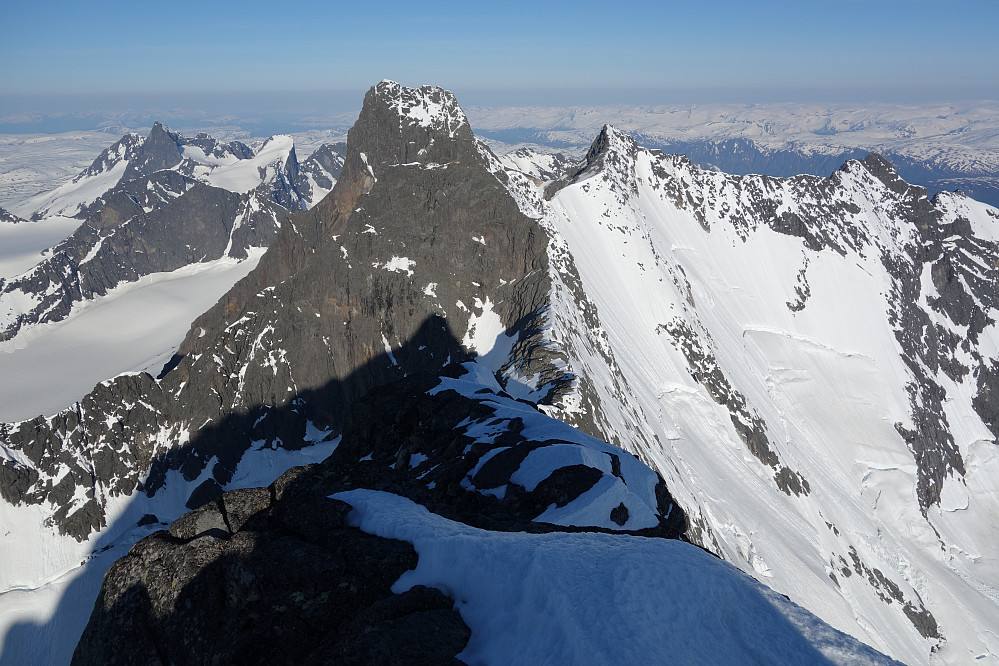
[(598, 598), (810, 362)]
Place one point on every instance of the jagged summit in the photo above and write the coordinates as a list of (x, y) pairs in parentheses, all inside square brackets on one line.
[(428, 106), (400, 125), (612, 154), (160, 150), (611, 149), (416, 229)]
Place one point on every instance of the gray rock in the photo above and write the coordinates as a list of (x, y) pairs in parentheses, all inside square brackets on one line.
[(7, 216)]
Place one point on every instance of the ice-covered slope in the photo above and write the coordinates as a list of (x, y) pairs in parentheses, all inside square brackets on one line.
[(34, 163), (810, 363), (103, 174), (135, 327), (24, 245), (599, 598)]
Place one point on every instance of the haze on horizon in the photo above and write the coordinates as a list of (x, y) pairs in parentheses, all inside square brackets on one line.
[(250, 61)]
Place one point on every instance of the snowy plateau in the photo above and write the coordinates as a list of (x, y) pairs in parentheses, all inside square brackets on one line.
[(425, 396)]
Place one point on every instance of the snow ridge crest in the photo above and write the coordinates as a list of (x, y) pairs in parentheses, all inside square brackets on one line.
[(613, 155)]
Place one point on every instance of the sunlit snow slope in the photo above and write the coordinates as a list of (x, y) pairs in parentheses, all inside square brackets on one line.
[(777, 350)]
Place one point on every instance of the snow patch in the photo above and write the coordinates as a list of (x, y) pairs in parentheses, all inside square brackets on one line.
[(486, 336)]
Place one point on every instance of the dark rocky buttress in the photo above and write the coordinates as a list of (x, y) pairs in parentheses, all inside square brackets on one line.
[(416, 236)]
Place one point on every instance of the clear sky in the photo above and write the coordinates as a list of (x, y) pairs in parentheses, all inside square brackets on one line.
[(81, 55)]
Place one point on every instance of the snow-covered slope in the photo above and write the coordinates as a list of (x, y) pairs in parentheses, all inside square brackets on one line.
[(809, 364), (543, 165), (555, 548), (25, 245), (135, 327), (598, 598), (34, 163)]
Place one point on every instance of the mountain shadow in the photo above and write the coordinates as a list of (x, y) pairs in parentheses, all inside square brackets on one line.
[(390, 421), (228, 441)]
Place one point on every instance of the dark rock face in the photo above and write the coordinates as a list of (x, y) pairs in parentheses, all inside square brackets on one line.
[(321, 170), (7, 216), (134, 197), (159, 151), (416, 230), (268, 574), (350, 277)]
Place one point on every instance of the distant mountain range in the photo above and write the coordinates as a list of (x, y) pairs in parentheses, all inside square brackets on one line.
[(158, 203), (942, 147)]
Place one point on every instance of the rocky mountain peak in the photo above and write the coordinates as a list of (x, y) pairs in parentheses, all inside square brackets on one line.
[(160, 150), (883, 171), (428, 106), (612, 154), (611, 147), (123, 150), (400, 125)]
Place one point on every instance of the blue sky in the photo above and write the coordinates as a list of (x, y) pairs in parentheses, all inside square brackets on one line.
[(79, 56)]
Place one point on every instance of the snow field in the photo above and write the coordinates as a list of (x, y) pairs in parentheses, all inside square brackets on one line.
[(244, 175), (135, 327), (596, 598)]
